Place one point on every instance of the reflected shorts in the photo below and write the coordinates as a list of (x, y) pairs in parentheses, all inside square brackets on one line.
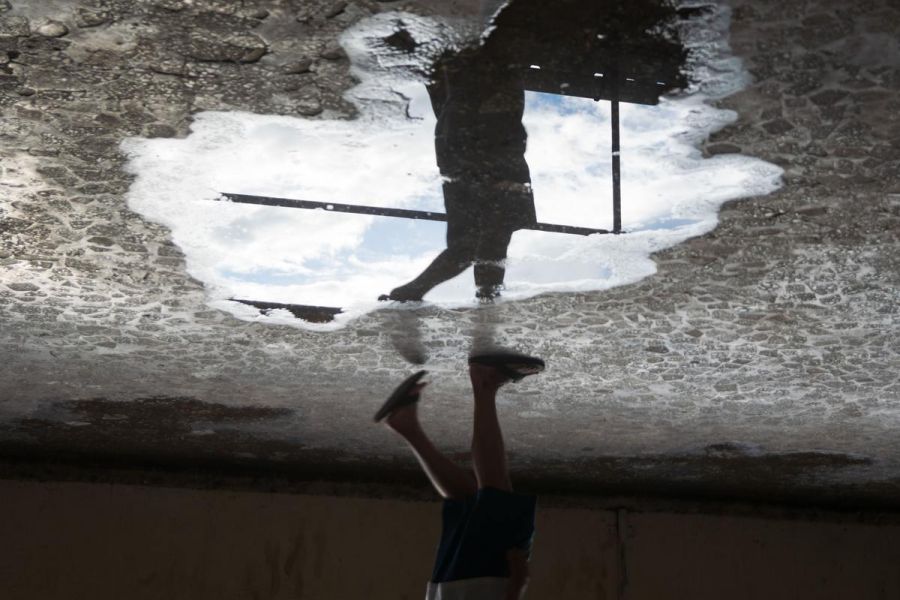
[(479, 530)]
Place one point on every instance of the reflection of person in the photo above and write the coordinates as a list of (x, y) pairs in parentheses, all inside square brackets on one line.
[(487, 529), (478, 98)]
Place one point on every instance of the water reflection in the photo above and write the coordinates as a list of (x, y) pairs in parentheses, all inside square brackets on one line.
[(630, 51), (455, 150), (478, 98), (574, 48)]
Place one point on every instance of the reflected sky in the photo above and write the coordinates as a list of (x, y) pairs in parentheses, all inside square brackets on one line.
[(386, 158)]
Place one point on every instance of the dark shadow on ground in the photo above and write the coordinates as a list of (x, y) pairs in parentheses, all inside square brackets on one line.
[(161, 434)]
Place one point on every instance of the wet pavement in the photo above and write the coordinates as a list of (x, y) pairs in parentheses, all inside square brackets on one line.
[(503, 154), (758, 361)]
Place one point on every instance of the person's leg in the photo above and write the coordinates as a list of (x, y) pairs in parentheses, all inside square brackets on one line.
[(449, 479), (447, 265), (461, 241), (490, 263), (488, 451)]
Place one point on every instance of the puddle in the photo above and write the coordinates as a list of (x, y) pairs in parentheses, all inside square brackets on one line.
[(537, 69)]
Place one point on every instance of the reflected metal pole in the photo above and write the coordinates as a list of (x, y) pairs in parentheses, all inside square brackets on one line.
[(616, 167), (380, 211)]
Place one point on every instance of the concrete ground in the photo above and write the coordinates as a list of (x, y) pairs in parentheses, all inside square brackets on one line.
[(760, 362)]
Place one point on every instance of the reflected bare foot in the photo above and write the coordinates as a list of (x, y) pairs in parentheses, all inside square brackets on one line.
[(404, 293)]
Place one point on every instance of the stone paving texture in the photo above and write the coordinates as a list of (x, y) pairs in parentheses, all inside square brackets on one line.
[(760, 362)]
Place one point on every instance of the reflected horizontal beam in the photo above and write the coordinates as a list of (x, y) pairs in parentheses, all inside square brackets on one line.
[(378, 211), (313, 314), (596, 87), (334, 207)]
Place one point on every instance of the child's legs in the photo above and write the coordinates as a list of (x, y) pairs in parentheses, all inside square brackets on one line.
[(448, 478), (488, 451)]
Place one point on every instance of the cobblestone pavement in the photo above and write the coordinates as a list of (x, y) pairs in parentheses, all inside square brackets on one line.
[(761, 361)]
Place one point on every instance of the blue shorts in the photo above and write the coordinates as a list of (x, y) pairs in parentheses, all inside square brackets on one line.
[(478, 531)]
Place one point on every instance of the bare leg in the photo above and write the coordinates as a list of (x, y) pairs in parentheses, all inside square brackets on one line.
[(490, 267), (446, 265), (462, 235), (488, 280), (488, 452), (449, 479)]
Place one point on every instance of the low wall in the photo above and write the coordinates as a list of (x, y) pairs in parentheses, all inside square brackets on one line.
[(101, 541)]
